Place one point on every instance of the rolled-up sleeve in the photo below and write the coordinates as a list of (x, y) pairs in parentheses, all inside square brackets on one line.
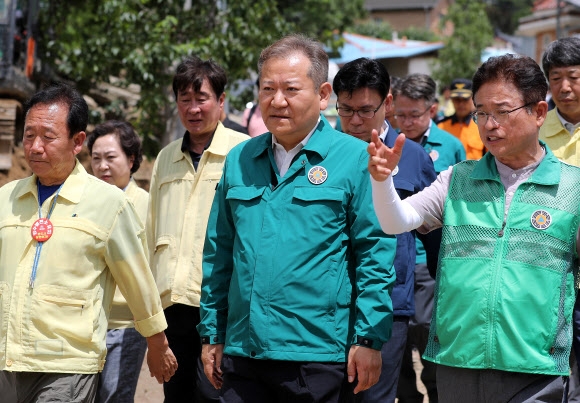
[(127, 260)]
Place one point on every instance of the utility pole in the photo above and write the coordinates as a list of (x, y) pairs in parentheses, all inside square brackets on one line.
[(558, 17)]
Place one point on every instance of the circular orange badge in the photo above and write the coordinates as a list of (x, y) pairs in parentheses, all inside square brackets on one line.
[(41, 230)]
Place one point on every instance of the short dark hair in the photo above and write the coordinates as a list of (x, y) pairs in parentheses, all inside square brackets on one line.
[(60, 93), (563, 52), (417, 86), (395, 84), (192, 71), (522, 71), (297, 43), (362, 73), (128, 138)]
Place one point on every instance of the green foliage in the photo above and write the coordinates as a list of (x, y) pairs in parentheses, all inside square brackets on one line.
[(419, 34), (472, 33), (374, 29), (141, 42), (383, 30), (505, 14)]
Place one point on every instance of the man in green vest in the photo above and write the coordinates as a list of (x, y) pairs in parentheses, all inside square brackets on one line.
[(502, 323)]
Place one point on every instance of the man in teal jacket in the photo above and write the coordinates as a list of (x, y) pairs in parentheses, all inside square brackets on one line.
[(297, 273)]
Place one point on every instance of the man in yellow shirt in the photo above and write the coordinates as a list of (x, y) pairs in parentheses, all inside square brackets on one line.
[(561, 132), (460, 124), (183, 183), (66, 239)]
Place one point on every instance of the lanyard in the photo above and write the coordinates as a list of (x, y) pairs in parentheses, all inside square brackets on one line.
[(40, 243)]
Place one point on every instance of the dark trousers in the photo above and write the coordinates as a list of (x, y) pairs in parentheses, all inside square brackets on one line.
[(459, 385), (385, 390), (189, 384), (265, 381), (417, 337), (45, 387)]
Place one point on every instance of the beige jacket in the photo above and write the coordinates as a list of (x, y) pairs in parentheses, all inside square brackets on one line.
[(60, 325), (180, 199)]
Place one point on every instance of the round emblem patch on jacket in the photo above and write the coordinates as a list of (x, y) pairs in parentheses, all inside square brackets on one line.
[(541, 219), (317, 175)]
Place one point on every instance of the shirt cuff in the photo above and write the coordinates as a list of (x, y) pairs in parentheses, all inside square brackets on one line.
[(152, 325), (214, 339), (367, 342)]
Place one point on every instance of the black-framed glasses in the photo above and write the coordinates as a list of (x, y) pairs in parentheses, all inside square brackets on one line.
[(413, 116), (499, 118), (362, 113)]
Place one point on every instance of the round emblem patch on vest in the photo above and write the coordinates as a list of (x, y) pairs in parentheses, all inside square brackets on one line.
[(434, 154), (396, 170), (541, 219), (317, 175)]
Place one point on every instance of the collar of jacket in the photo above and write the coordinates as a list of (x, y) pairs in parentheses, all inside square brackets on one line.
[(547, 173), (319, 143), (553, 126), (467, 120), (72, 189), (218, 146)]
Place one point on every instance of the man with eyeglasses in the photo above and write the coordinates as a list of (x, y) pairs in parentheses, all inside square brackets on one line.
[(415, 107), (506, 281), (362, 90), (460, 123)]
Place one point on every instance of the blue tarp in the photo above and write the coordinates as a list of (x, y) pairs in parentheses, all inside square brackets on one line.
[(364, 46)]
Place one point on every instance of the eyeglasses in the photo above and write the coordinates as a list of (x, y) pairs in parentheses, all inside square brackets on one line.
[(362, 113), (413, 116), (499, 118)]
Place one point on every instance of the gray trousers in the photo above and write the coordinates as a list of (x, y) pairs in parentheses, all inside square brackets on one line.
[(490, 386), (41, 387)]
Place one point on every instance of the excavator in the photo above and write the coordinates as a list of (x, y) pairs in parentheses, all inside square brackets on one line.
[(17, 64)]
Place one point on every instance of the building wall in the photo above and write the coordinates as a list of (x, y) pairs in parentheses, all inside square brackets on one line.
[(428, 18), (401, 20)]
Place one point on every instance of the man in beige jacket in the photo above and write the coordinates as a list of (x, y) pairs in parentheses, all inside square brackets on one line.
[(66, 239), (183, 184)]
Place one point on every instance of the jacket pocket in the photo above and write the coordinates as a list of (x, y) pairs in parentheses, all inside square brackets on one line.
[(62, 316), (163, 263), (242, 193), (313, 194), (325, 205), (240, 198)]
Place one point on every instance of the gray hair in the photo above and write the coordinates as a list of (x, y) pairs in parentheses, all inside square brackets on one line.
[(417, 86), (297, 43)]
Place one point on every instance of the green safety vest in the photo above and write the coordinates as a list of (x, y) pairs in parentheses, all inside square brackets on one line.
[(505, 294)]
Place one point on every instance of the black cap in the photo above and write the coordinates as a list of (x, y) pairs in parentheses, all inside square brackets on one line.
[(461, 88)]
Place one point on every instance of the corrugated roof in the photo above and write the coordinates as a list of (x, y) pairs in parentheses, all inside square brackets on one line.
[(540, 5), (399, 4), (363, 46)]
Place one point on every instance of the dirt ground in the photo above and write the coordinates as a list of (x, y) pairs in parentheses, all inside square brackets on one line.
[(149, 391)]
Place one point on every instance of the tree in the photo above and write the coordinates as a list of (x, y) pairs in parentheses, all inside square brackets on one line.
[(505, 14), (472, 33), (383, 30), (374, 29), (140, 42)]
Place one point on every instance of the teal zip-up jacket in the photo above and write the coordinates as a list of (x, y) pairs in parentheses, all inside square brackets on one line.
[(505, 293), (295, 270)]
